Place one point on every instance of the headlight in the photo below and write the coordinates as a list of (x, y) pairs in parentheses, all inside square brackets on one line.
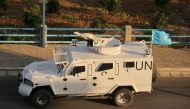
[(28, 82)]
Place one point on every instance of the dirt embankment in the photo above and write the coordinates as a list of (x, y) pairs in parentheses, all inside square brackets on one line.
[(81, 13)]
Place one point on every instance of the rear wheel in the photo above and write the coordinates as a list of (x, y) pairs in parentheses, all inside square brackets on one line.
[(42, 98), (123, 97)]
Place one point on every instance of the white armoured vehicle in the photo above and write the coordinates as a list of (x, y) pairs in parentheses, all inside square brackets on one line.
[(109, 69)]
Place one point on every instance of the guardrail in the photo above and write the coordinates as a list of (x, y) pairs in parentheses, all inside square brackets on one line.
[(19, 35), (80, 29), (126, 33)]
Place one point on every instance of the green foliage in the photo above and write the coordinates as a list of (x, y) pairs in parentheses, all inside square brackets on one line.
[(119, 14), (159, 20), (111, 5), (3, 32), (99, 21), (82, 3), (26, 0), (161, 2), (100, 10), (2, 13), (10, 38), (68, 16), (32, 17), (145, 38), (3, 4), (53, 6)]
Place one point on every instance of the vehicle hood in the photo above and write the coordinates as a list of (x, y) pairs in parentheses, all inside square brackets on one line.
[(43, 68)]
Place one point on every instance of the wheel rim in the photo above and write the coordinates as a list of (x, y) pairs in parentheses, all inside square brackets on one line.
[(42, 99), (123, 98)]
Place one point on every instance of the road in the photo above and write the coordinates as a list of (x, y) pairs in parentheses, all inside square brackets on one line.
[(168, 93)]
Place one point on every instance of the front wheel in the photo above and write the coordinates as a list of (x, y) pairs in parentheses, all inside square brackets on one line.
[(42, 98), (123, 97)]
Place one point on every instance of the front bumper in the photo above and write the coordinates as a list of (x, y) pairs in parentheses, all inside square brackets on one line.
[(24, 90)]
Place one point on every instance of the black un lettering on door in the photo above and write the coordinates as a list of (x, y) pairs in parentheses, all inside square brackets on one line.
[(139, 65)]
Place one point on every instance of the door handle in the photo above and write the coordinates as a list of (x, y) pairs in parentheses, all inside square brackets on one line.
[(104, 73), (110, 78), (82, 79)]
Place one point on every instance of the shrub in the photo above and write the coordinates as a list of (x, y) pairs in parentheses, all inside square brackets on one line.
[(32, 17), (2, 13), (111, 5), (161, 2), (68, 16), (159, 20), (11, 38), (53, 6), (99, 21), (3, 4), (3, 32)]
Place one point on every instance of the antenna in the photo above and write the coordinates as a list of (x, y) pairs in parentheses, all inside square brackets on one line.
[(151, 42)]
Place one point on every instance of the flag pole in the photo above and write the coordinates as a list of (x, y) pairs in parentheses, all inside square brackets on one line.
[(151, 42)]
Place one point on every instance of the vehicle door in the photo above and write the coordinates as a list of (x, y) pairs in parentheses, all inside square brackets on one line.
[(76, 77), (104, 74)]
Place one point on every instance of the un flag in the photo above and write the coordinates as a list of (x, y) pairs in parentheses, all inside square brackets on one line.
[(160, 37)]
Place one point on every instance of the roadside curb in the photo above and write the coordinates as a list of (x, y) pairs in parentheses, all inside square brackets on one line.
[(11, 68), (10, 71), (174, 69), (173, 72), (162, 72)]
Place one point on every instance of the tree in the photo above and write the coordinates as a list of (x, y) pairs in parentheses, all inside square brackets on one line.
[(160, 19), (32, 17), (111, 5), (3, 4), (161, 2), (53, 6), (99, 21)]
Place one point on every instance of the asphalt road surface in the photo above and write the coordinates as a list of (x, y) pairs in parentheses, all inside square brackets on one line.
[(168, 93)]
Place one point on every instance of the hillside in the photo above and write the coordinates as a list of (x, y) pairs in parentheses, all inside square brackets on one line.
[(81, 13)]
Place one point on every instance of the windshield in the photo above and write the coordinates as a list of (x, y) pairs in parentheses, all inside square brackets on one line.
[(60, 54)]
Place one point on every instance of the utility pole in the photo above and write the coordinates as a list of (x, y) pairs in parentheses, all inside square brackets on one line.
[(43, 23)]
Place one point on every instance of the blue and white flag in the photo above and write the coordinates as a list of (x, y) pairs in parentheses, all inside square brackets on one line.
[(160, 37)]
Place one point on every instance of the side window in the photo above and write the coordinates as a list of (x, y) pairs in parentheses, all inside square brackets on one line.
[(129, 64), (105, 66), (77, 69)]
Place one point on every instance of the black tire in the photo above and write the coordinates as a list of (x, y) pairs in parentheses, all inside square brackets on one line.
[(123, 97), (42, 98), (154, 73)]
